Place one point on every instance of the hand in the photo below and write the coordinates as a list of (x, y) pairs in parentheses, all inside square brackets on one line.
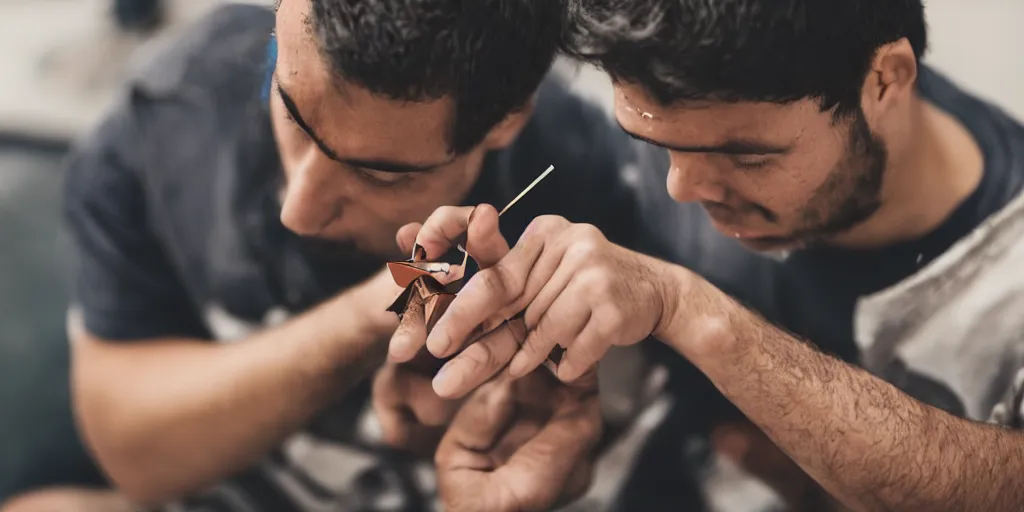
[(411, 415), (435, 239), (520, 445), (371, 300), (575, 288)]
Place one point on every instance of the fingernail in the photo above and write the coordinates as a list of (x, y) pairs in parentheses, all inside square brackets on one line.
[(564, 371), (438, 344), (517, 367), (403, 347), (440, 382), (396, 349)]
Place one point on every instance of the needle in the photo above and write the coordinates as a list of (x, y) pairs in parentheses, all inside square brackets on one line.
[(543, 175), (527, 189)]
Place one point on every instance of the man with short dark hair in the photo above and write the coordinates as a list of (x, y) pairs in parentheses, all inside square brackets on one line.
[(825, 170), (252, 204)]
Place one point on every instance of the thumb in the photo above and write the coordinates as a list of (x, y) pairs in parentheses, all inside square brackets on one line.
[(484, 417), (406, 237), (484, 241)]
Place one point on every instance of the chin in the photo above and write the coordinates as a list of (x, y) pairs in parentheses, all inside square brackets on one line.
[(772, 246)]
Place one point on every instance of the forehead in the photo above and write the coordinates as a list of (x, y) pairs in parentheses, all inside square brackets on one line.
[(707, 123), (349, 118)]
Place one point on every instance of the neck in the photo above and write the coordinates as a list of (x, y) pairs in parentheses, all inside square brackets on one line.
[(940, 166)]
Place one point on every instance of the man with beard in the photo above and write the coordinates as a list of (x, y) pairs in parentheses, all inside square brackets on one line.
[(812, 132), (248, 189)]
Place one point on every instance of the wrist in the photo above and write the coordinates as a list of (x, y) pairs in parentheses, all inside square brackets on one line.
[(355, 326), (697, 318), (368, 303)]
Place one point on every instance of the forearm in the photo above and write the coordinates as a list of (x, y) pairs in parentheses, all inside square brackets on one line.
[(169, 417), (870, 445)]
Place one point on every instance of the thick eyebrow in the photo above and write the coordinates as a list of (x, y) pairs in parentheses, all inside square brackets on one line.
[(375, 165), (729, 147)]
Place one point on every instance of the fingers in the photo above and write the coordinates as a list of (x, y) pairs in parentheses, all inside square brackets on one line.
[(397, 387), (411, 333), (577, 484), (566, 317), (483, 239), (386, 400), (405, 402), (587, 348), (406, 237), (481, 361), (477, 426), (438, 233), (493, 290), (548, 277), (542, 467)]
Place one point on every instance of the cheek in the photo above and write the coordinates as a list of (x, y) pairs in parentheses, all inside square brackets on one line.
[(787, 188)]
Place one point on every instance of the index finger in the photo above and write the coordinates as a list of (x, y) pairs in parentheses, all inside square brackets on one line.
[(447, 225), (505, 287)]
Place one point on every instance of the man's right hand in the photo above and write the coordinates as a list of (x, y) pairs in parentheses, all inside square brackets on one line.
[(167, 417), (523, 444), (411, 415)]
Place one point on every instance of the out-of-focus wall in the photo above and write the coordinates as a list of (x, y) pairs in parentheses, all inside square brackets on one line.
[(981, 45), (978, 43)]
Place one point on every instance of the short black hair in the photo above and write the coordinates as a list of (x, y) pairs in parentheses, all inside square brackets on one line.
[(488, 55), (743, 50)]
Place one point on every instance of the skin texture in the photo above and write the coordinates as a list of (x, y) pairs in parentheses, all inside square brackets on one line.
[(360, 207), (67, 500), (521, 445), (511, 444), (869, 445), (187, 420), (820, 189)]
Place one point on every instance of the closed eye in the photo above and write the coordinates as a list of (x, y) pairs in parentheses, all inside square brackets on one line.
[(750, 161), (381, 178)]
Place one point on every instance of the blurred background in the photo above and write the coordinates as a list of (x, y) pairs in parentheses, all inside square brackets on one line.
[(62, 61)]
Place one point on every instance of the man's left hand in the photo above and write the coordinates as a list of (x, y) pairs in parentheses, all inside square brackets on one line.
[(570, 286), (520, 445)]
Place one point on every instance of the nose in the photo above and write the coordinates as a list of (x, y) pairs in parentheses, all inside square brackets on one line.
[(691, 179), (310, 203)]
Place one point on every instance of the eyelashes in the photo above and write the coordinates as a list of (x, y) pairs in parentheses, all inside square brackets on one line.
[(750, 162)]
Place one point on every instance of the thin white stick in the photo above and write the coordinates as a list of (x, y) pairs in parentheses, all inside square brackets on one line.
[(465, 257), (527, 189)]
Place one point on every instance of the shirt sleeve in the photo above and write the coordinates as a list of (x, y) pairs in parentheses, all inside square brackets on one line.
[(1009, 412), (125, 287)]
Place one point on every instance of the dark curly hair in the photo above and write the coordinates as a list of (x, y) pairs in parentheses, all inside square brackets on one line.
[(489, 55), (743, 50)]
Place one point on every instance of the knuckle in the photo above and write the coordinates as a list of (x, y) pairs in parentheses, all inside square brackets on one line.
[(446, 212), (535, 341), (611, 320), (595, 281), (480, 357), (501, 281), (589, 232), (548, 224)]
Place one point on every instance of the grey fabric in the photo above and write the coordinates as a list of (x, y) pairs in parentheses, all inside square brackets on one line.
[(958, 322), (172, 203), (39, 444)]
